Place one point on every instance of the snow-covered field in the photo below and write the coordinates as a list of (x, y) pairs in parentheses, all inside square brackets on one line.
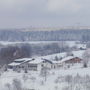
[(57, 79)]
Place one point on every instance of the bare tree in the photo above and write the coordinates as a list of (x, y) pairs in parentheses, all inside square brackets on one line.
[(8, 86), (44, 72), (17, 84), (25, 77), (86, 57), (56, 58)]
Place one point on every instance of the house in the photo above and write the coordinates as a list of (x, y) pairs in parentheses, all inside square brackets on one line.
[(81, 46), (66, 62), (38, 64), (19, 64), (56, 64), (70, 60), (30, 64)]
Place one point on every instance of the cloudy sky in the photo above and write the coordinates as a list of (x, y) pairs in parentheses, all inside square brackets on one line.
[(44, 13)]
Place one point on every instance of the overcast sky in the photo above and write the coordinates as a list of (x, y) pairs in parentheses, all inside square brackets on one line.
[(44, 13)]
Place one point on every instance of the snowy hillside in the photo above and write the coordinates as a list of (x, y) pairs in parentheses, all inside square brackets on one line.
[(76, 77), (55, 80)]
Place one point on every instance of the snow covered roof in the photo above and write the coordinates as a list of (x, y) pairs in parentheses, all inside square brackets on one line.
[(39, 60), (36, 61), (48, 61), (19, 61), (51, 57), (63, 60), (55, 62), (67, 58), (14, 64), (23, 59)]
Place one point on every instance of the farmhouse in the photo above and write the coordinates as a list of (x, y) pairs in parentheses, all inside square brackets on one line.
[(71, 59), (65, 62)]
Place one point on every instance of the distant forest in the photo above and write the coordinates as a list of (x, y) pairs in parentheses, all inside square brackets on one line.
[(58, 35)]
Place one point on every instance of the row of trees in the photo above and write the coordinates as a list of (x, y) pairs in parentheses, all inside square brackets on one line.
[(56, 35)]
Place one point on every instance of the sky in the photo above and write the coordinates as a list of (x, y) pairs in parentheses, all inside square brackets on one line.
[(44, 13)]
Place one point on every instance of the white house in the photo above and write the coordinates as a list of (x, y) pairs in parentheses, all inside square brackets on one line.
[(38, 64), (56, 64), (19, 63)]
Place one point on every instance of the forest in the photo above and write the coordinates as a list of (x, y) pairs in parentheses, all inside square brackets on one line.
[(40, 35)]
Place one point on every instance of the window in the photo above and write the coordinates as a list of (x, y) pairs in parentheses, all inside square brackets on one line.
[(42, 65), (32, 67)]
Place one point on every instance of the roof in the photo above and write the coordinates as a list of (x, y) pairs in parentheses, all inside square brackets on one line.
[(39, 60), (17, 62), (23, 59), (67, 58), (63, 60), (48, 61), (52, 56), (14, 64), (36, 61), (55, 62)]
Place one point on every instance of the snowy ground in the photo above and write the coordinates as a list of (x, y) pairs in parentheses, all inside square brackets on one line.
[(70, 43), (58, 79)]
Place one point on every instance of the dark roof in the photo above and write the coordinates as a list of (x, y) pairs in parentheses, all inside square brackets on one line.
[(48, 61)]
